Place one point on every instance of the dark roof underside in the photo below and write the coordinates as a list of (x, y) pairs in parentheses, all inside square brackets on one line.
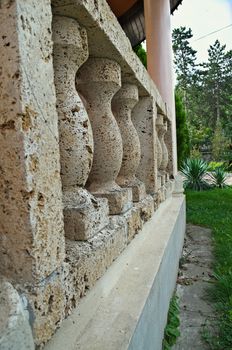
[(133, 21), (174, 4)]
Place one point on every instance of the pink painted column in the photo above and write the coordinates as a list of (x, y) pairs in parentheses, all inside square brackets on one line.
[(159, 55), (159, 47)]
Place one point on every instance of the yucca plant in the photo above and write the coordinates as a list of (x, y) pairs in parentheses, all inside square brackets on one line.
[(219, 177), (195, 171)]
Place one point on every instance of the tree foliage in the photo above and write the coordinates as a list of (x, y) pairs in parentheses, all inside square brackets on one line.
[(183, 147), (219, 142), (217, 80), (141, 53), (206, 89), (184, 57)]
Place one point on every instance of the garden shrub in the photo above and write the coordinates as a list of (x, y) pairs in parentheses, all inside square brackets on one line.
[(219, 177), (215, 165), (141, 53), (194, 171)]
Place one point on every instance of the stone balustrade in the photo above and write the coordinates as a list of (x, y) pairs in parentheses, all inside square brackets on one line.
[(84, 215), (98, 80), (164, 163), (159, 149), (163, 178), (162, 151), (123, 103), (92, 152)]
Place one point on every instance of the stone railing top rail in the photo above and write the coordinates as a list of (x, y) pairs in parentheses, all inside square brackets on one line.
[(107, 39)]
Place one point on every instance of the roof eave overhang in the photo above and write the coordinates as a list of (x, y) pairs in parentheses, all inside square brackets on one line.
[(174, 4)]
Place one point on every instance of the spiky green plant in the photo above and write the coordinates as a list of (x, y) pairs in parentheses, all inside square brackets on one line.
[(219, 177), (194, 171)]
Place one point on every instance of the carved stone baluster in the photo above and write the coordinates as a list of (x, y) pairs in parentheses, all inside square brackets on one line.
[(84, 215), (143, 117), (168, 139), (98, 80), (159, 123), (122, 104), (164, 163), (163, 160)]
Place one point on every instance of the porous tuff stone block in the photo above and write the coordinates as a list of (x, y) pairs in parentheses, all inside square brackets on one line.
[(137, 187), (161, 195), (172, 184), (84, 216), (163, 178), (31, 225), (119, 200), (170, 141), (178, 186), (138, 215), (134, 222), (89, 260), (15, 331), (138, 191), (169, 189), (143, 117), (155, 201), (46, 304), (159, 181), (146, 207)]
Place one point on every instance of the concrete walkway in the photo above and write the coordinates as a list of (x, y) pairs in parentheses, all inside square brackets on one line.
[(195, 275), (229, 179)]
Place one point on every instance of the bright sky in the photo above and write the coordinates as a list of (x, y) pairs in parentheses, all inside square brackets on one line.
[(204, 17)]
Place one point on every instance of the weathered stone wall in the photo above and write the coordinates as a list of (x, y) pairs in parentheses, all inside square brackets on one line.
[(15, 331), (32, 238), (31, 224)]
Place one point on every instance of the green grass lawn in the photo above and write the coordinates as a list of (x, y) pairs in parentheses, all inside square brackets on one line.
[(213, 209)]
